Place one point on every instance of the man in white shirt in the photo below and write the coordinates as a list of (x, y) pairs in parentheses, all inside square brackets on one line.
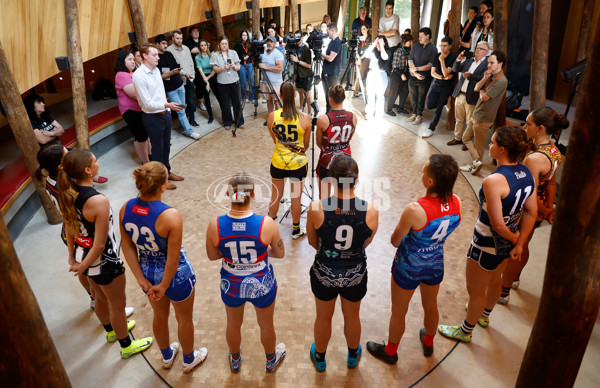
[(183, 55), (389, 26), (151, 96)]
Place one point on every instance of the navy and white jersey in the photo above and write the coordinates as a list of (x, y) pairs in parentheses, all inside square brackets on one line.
[(420, 255), (521, 185), (246, 271), (139, 222), (341, 260), (87, 230)]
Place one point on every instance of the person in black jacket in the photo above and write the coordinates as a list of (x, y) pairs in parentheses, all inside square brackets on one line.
[(244, 50), (399, 76)]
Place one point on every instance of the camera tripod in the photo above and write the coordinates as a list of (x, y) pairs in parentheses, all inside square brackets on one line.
[(351, 72)]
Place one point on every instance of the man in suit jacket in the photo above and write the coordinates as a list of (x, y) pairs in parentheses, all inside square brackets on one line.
[(470, 72)]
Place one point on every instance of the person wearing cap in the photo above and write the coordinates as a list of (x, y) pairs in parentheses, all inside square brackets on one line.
[(271, 61)]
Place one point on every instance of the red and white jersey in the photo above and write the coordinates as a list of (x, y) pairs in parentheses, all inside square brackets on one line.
[(336, 140)]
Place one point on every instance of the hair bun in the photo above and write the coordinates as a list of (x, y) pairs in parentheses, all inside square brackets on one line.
[(561, 121)]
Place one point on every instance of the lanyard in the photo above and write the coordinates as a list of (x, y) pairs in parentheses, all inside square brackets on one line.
[(498, 76), (224, 63)]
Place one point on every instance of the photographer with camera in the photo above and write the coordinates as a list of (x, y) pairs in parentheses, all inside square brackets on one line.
[(303, 69), (332, 62), (271, 61)]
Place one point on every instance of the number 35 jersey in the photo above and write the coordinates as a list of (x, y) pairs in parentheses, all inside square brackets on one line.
[(289, 151), (245, 271), (420, 255), (139, 222)]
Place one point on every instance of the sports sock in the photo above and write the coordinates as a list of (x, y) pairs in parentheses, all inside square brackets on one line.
[(518, 277), (296, 228), (320, 356), (90, 294), (167, 353), (125, 342), (108, 327), (466, 327), (391, 348), (353, 353), (486, 313), (505, 292), (270, 356), (274, 218), (188, 358), (235, 356), (428, 340)]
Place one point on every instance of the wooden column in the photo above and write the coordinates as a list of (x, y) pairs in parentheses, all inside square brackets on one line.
[(375, 17), (28, 357), (367, 6), (415, 16), (287, 23), (342, 21), (584, 30), (137, 17), (333, 10), (268, 17), (570, 298), (294, 15), (23, 133), (77, 76), (454, 32), (500, 44), (539, 54), (216, 10)]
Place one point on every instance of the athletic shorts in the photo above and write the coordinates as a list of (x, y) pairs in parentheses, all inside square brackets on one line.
[(261, 302), (324, 293), (304, 83), (182, 291), (266, 92), (486, 260), (299, 174), (134, 121), (410, 284), (110, 271), (322, 172)]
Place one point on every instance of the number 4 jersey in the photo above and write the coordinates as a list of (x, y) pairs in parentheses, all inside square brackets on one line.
[(420, 256), (139, 222)]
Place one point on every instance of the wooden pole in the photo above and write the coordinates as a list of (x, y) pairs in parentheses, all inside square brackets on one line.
[(28, 357), (77, 76), (375, 18), (342, 21), (367, 6), (454, 32), (216, 10), (570, 298), (334, 10), (23, 133), (137, 17), (500, 44), (584, 30), (294, 16), (415, 15), (287, 23), (539, 54), (268, 17)]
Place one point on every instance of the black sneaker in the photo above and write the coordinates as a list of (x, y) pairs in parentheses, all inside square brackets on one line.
[(403, 111), (427, 350), (265, 123), (390, 112), (210, 120), (193, 123), (378, 351)]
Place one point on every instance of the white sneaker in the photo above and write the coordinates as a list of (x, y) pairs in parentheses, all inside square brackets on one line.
[(199, 356), (504, 301), (412, 117), (203, 107), (418, 120), (194, 135), (279, 356), (167, 364), (301, 233), (515, 284), (129, 311), (476, 166), (427, 133), (467, 168)]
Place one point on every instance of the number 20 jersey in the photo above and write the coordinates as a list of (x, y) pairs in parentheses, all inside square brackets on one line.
[(336, 140), (139, 222), (420, 256), (246, 271)]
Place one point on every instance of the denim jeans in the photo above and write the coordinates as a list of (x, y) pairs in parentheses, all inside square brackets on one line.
[(178, 96), (247, 80), (437, 98), (418, 90)]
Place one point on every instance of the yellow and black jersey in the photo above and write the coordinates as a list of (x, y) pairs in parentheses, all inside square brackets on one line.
[(289, 153)]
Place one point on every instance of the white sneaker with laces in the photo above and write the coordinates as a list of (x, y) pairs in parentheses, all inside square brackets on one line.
[(467, 168), (194, 135), (412, 117), (167, 364), (476, 166), (427, 133), (418, 120), (279, 356), (129, 311), (301, 233), (203, 107), (199, 356)]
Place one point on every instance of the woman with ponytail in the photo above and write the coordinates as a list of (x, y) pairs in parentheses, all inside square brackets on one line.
[(543, 162), (151, 234), (506, 217), (93, 250)]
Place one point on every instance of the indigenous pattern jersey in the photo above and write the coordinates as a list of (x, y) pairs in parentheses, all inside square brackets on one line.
[(289, 151), (52, 190), (87, 230), (521, 185), (139, 222), (341, 260), (246, 271), (553, 154), (420, 255), (336, 139)]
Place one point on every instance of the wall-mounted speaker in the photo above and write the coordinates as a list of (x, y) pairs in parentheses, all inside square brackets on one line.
[(208, 13), (132, 37), (62, 63), (249, 4)]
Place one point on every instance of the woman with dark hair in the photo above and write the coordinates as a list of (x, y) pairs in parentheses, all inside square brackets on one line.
[(484, 32), (45, 127), (340, 228), (246, 274), (290, 131), (541, 125), (364, 41), (93, 249), (506, 216), (207, 80), (128, 104), (151, 234), (419, 262), (226, 64), (377, 79), (245, 52)]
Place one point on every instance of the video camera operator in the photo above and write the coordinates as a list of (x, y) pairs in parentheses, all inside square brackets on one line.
[(332, 62), (271, 61), (304, 72)]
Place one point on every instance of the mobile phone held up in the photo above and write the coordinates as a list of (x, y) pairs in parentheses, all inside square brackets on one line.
[(469, 54)]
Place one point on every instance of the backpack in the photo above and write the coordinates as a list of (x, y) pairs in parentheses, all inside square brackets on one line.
[(104, 90)]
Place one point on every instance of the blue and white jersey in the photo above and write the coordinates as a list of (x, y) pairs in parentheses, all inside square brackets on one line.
[(246, 271), (521, 185), (139, 222), (420, 255)]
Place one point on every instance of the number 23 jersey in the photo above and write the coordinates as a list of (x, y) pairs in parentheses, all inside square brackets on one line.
[(289, 153), (420, 255)]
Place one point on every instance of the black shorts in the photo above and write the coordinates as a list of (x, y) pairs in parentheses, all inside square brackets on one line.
[(304, 83), (299, 174), (486, 260), (324, 293), (322, 172), (110, 271), (134, 121)]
